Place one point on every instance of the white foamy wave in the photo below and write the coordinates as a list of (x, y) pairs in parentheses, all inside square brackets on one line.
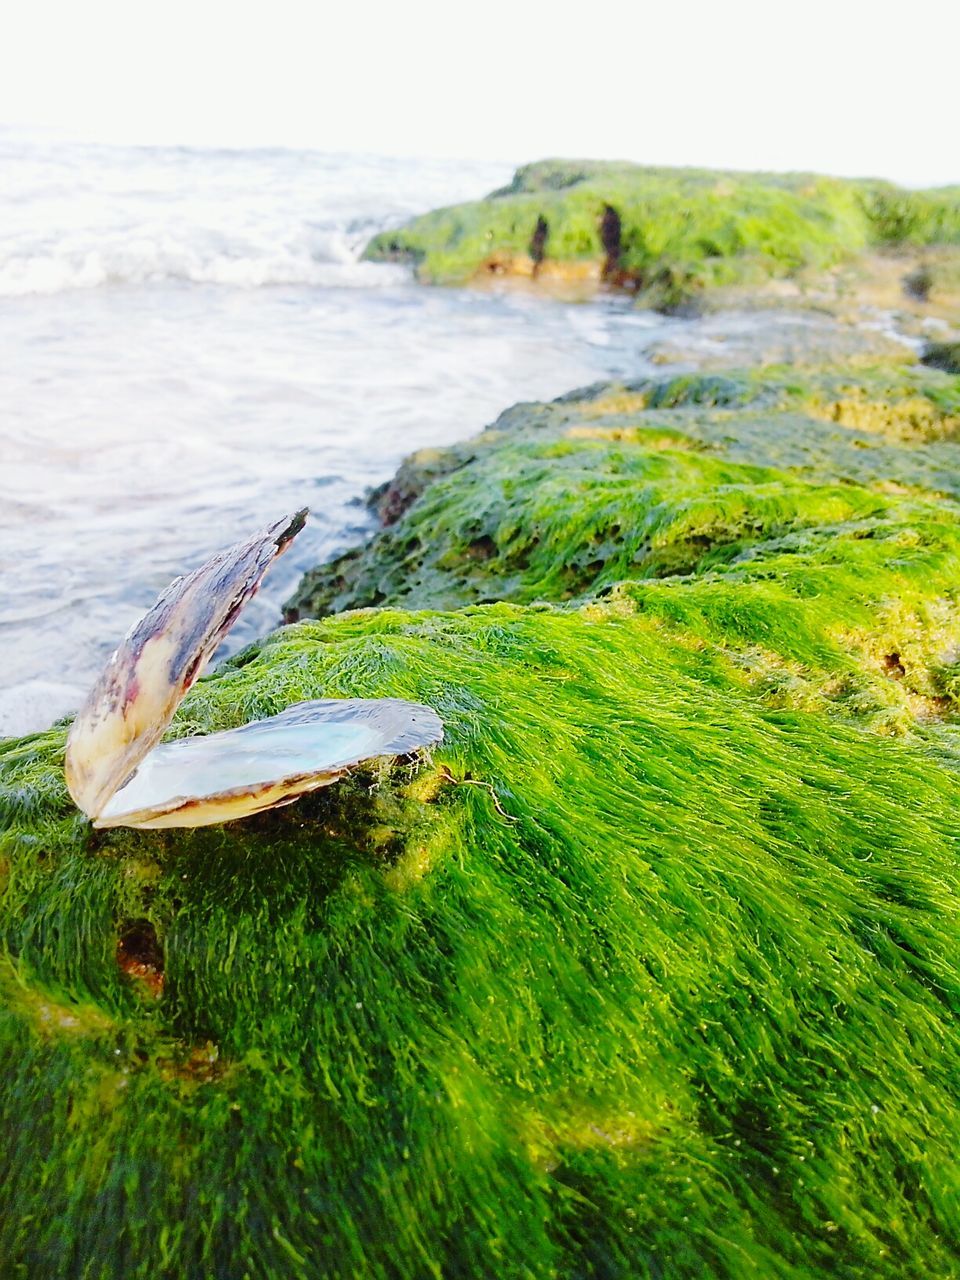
[(84, 217), (317, 258)]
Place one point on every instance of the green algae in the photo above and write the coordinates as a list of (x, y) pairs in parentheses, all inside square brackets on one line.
[(671, 994), (742, 510), (671, 234), (650, 969)]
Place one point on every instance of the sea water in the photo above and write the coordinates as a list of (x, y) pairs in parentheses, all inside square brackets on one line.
[(191, 346)]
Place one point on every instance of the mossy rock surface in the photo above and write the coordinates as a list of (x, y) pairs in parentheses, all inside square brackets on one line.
[(652, 969), (671, 234), (671, 477)]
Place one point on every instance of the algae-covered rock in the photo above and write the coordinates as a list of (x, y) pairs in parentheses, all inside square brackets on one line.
[(812, 503), (645, 975), (672, 235), (652, 970)]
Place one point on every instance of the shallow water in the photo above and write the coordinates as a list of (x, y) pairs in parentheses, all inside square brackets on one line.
[(191, 348)]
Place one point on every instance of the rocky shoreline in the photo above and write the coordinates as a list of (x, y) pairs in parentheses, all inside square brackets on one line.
[(650, 970), (685, 240)]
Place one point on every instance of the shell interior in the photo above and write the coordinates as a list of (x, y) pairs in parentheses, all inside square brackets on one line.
[(222, 776)]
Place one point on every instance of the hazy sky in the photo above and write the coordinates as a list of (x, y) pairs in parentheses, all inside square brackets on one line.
[(846, 86)]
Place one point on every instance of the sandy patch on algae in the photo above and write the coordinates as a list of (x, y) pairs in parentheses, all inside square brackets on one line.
[(47, 1013)]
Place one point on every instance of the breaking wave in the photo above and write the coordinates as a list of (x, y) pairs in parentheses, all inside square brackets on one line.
[(86, 216), (329, 258)]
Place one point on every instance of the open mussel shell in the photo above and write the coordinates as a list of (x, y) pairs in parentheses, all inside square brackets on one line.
[(192, 782), (118, 775)]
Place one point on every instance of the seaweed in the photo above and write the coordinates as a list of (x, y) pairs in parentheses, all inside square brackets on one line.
[(671, 235), (651, 969)]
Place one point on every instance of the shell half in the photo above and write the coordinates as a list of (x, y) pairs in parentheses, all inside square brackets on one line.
[(143, 683), (193, 782)]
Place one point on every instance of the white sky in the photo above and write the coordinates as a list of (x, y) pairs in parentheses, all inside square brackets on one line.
[(842, 86)]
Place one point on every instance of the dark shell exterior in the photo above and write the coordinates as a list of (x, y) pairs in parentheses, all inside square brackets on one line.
[(144, 681)]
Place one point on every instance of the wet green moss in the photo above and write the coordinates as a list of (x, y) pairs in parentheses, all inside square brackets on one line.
[(806, 522), (640, 975), (671, 234), (650, 969)]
